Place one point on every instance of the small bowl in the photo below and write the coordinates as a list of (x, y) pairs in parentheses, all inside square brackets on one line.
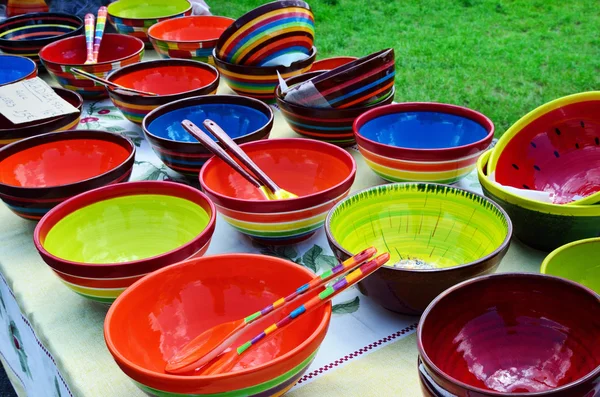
[(513, 335), (193, 291), (276, 30), (321, 175), (328, 125), (117, 50), (134, 17), (429, 142), (555, 149), (193, 37), (15, 68), (437, 236), (331, 63), (26, 35), (544, 226), (171, 79), (102, 241), (10, 132), (243, 119), (577, 261), (40, 172), (260, 81)]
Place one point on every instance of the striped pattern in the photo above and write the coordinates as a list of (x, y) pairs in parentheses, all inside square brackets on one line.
[(184, 163), (70, 126), (195, 51), (139, 27)]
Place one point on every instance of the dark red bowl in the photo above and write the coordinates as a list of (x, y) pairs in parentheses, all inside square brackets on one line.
[(513, 335)]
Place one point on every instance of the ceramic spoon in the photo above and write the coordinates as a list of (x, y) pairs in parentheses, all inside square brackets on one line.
[(90, 22), (114, 86)]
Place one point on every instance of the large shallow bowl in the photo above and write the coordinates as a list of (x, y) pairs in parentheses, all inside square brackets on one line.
[(171, 79), (117, 50), (10, 132), (40, 172), (192, 37), (321, 175), (429, 142), (243, 119), (513, 335), (437, 236), (102, 241), (544, 226), (201, 293), (577, 261), (134, 17), (14, 68), (26, 35)]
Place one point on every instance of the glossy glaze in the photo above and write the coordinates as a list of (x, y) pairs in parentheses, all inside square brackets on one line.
[(577, 261), (18, 7), (16, 68), (331, 63)]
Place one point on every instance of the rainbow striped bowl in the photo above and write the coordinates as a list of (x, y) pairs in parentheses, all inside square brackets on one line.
[(102, 241), (321, 175), (171, 79), (428, 142)]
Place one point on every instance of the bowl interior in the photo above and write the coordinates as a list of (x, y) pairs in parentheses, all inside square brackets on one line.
[(193, 28), (141, 9), (13, 68), (71, 51), (578, 262), (168, 79), (422, 226), (331, 63), (514, 333)]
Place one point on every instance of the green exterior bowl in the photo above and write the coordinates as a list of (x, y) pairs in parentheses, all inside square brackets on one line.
[(577, 261)]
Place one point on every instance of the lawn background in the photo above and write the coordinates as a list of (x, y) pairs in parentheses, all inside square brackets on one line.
[(502, 58)]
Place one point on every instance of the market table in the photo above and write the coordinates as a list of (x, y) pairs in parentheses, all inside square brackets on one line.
[(51, 340)]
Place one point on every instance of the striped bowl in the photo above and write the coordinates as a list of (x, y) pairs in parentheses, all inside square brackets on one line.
[(427, 142), (321, 175), (260, 81), (31, 199), (328, 125), (10, 132), (61, 56), (172, 79), (105, 281)]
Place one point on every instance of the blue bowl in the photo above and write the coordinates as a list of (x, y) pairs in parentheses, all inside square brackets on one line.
[(14, 68)]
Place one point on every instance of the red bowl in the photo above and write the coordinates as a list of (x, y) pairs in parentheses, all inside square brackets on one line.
[(331, 63), (513, 335)]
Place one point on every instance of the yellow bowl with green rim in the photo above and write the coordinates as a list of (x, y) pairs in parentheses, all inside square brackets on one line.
[(578, 261)]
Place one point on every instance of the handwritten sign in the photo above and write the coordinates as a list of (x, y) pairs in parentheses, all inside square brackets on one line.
[(31, 100)]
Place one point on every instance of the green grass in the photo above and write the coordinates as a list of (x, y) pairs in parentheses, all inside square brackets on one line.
[(502, 58)]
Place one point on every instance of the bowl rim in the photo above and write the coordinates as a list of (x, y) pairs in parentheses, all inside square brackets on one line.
[(350, 58), (26, 17), (504, 245), (265, 70), (427, 361), (189, 18), (439, 154), (144, 19), (30, 73), (322, 327), (564, 248)]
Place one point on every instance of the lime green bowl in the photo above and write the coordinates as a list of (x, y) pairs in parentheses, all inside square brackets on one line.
[(578, 261)]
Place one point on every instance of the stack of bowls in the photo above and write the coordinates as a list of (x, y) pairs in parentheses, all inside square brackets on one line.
[(15, 68), (331, 63)]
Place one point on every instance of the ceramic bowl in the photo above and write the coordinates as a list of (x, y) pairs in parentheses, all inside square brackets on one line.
[(134, 17), (10, 132), (321, 175), (429, 142), (513, 335), (193, 37), (15, 68), (19, 7), (102, 241), (577, 261), (328, 125), (117, 50), (171, 79), (544, 226), (555, 148), (26, 35), (331, 63), (260, 81), (281, 30), (40, 172), (194, 292), (437, 236), (243, 119)]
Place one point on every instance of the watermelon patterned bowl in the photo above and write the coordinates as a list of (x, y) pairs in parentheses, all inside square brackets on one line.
[(117, 50), (171, 79), (193, 290), (321, 175), (243, 119), (40, 172), (14, 68), (102, 241)]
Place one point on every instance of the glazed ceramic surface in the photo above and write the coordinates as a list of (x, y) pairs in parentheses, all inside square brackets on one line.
[(437, 236), (192, 37), (319, 173), (429, 142), (243, 119), (197, 295), (578, 261), (102, 241), (331, 63), (18, 7), (16, 68), (513, 334), (171, 79), (117, 51), (25, 35)]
